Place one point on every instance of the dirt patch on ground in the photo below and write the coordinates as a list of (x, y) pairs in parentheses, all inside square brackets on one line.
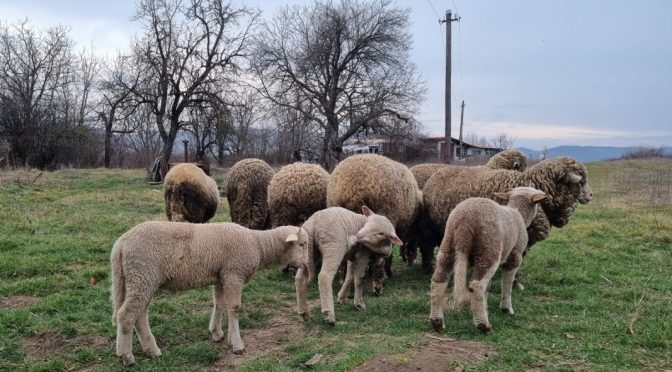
[(17, 301), (47, 344), (282, 328), (439, 354)]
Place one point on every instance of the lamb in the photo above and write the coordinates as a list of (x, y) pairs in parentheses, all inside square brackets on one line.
[(328, 236), (178, 256), (386, 186), (247, 193), (190, 195), (486, 234), (295, 192), (507, 159), (563, 179)]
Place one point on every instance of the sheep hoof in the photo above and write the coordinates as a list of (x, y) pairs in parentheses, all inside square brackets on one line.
[(484, 328), (438, 325), (377, 291), (128, 359), (305, 316), (506, 310), (519, 286), (239, 351), (217, 335), (152, 353), (360, 306), (341, 300)]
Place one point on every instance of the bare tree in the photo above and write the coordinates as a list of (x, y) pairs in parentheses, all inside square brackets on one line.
[(183, 45), (349, 59), (503, 141)]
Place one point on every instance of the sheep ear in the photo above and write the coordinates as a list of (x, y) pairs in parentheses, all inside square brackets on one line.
[(395, 239), (572, 177), (502, 195), (536, 198), (516, 165), (367, 212), (292, 238)]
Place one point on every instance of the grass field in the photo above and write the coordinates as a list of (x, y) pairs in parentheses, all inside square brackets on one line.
[(598, 293)]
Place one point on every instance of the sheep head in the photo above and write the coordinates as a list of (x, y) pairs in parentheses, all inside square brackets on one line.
[(296, 249), (378, 233)]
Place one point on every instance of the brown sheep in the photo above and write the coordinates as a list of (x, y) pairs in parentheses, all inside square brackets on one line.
[(295, 192), (189, 194), (247, 193)]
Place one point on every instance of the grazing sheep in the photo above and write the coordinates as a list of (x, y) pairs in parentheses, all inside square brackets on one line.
[(190, 195), (328, 236), (386, 186), (246, 190), (178, 256), (481, 232), (508, 159), (563, 179), (295, 192)]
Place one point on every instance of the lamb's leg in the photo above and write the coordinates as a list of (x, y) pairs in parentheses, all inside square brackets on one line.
[(379, 270), (233, 288), (509, 270), (440, 280), (347, 283), (483, 272), (358, 272), (332, 255), (127, 316), (218, 305), (301, 283), (145, 334)]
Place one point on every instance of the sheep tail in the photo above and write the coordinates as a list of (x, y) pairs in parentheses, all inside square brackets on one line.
[(460, 294), (118, 290)]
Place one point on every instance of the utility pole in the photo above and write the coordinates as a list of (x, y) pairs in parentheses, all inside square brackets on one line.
[(462, 152), (448, 147)]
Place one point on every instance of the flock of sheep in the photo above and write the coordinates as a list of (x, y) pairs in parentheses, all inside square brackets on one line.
[(349, 219)]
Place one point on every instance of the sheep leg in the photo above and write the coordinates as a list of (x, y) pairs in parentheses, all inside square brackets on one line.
[(379, 276), (440, 280), (215, 326), (509, 270), (358, 270), (332, 257), (233, 288), (301, 283), (127, 316), (483, 272), (147, 340), (347, 283)]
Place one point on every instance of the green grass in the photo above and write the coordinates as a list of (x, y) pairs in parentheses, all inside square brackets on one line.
[(598, 292)]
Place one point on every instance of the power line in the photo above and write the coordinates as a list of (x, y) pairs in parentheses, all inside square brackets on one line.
[(437, 14), (443, 39)]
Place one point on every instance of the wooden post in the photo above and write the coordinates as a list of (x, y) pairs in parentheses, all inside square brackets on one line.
[(448, 153), (186, 151)]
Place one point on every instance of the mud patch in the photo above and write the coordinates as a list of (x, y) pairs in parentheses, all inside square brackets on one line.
[(47, 344), (281, 329), (17, 301), (439, 354)]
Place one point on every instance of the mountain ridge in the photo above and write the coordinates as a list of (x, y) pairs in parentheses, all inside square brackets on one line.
[(586, 153)]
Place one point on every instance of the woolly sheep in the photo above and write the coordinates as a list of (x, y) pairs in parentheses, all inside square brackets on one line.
[(386, 186), (178, 256), (328, 236), (508, 159), (246, 191), (295, 192), (190, 195), (486, 234), (563, 179)]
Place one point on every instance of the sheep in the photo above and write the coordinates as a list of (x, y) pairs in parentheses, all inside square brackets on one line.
[(178, 256), (295, 192), (246, 191), (189, 194), (481, 232), (386, 186), (328, 236), (563, 179), (507, 159)]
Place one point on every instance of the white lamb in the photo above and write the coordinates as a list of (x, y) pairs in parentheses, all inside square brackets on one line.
[(486, 234), (330, 234), (178, 256)]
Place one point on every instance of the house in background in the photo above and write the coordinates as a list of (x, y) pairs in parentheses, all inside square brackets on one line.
[(467, 151)]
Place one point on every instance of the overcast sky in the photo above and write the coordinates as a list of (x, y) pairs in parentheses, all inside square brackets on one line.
[(570, 72)]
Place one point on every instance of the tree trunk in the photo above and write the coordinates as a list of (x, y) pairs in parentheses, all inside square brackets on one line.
[(108, 145)]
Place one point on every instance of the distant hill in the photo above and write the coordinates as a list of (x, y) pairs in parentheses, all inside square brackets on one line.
[(584, 153)]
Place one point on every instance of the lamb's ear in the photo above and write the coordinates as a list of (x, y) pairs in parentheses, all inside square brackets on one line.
[(501, 195), (572, 177), (291, 238), (367, 212), (395, 239), (536, 198)]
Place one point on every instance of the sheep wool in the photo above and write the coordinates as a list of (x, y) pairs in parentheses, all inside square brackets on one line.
[(486, 234), (247, 193), (189, 194), (178, 256), (295, 192)]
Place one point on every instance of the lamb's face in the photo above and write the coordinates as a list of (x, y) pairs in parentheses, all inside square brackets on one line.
[(296, 249), (377, 234)]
